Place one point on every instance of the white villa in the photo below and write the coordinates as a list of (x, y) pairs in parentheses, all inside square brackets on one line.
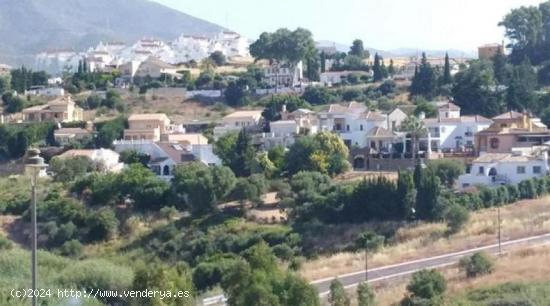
[(165, 156), (494, 169), (352, 122), (283, 75), (452, 132), (236, 121)]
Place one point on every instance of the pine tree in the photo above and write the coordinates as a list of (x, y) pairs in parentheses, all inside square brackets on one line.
[(447, 79)]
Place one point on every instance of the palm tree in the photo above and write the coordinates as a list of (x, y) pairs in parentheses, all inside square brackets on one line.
[(414, 127)]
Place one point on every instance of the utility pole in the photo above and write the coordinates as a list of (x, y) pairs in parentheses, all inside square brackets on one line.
[(499, 232), (34, 231), (366, 261)]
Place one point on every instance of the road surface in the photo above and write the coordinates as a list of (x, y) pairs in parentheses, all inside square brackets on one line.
[(402, 269), (351, 280)]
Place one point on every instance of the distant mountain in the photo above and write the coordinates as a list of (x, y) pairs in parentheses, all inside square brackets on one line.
[(400, 52), (28, 27)]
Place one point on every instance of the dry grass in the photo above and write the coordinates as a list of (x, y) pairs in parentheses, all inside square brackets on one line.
[(359, 175), (521, 266), (526, 218)]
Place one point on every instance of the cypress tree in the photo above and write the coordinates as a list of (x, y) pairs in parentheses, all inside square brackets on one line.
[(391, 68), (447, 79)]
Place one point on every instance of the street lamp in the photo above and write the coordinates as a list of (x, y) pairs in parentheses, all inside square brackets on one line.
[(34, 165)]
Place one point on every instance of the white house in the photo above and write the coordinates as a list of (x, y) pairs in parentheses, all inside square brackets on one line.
[(236, 121), (165, 156), (352, 122), (330, 78), (45, 91), (284, 75), (494, 169), (105, 159), (452, 132), (395, 118)]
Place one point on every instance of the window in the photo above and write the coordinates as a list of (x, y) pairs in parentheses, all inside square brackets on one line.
[(481, 169), (361, 127), (494, 143), (347, 127), (520, 170), (537, 169)]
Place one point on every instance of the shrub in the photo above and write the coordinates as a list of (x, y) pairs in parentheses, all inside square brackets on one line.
[(103, 225), (456, 216), (365, 295), (96, 274), (338, 295), (5, 243), (477, 264), (369, 239), (71, 248), (427, 284)]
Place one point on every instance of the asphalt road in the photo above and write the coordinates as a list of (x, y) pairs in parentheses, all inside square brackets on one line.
[(351, 280), (402, 269)]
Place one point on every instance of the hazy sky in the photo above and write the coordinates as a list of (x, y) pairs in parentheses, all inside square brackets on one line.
[(382, 24)]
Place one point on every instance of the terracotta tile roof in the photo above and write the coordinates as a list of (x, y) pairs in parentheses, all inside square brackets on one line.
[(509, 115), (136, 117), (380, 132), (242, 114), (177, 152), (476, 118), (503, 157)]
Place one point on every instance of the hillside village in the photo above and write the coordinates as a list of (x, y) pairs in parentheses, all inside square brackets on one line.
[(243, 173)]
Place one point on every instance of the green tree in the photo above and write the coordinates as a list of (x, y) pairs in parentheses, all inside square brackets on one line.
[(69, 169), (193, 184), (475, 90), (358, 49), (406, 193), (457, 216), (244, 155), (284, 46), (236, 93), (102, 224), (218, 58), (446, 78), (391, 68), (520, 93), (156, 276), (499, 67), (338, 295), (424, 81), (427, 195), (317, 95), (427, 284), (378, 74), (369, 240), (365, 295), (447, 170), (414, 127)]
